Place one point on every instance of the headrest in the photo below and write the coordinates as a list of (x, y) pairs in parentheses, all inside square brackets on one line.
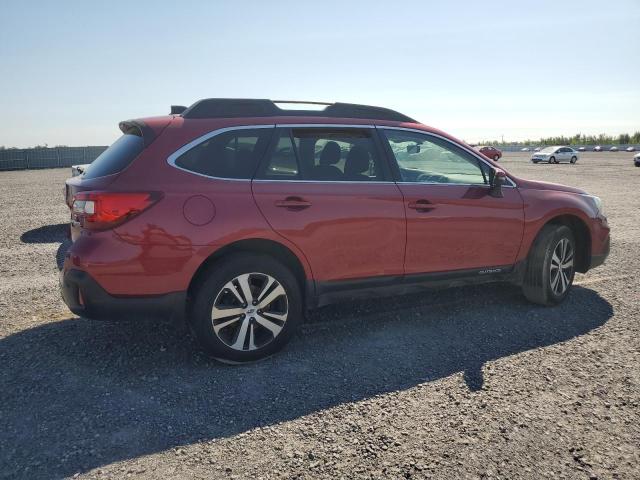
[(357, 160), (330, 154)]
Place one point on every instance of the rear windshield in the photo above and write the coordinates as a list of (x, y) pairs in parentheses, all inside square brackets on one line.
[(117, 157)]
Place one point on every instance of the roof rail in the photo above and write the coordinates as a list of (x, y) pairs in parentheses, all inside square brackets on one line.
[(246, 107)]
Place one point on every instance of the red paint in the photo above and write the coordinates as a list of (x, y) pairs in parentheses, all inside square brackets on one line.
[(339, 231), (490, 152), (464, 228), (348, 231)]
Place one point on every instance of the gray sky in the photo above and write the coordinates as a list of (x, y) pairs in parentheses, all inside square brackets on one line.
[(71, 70)]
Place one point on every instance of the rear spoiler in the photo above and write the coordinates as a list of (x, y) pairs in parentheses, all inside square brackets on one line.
[(138, 128), (177, 109)]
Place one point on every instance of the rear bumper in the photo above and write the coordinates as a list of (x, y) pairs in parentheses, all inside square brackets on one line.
[(86, 298)]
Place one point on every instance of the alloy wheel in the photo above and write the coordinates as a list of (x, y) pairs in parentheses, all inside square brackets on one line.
[(250, 311), (561, 269)]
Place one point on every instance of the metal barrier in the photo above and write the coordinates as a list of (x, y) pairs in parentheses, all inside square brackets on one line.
[(21, 159)]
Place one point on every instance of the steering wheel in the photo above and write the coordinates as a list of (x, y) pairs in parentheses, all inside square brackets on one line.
[(432, 178)]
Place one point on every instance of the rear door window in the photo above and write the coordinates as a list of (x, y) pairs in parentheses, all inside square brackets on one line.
[(232, 154), (117, 157), (324, 154), (283, 161)]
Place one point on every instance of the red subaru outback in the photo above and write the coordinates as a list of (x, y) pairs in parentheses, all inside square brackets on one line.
[(239, 215)]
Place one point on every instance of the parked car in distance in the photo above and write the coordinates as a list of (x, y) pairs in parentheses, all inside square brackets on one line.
[(555, 154), (582, 149), (239, 215), (613, 149), (537, 149), (490, 152), (525, 149), (636, 159), (631, 149), (597, 148), (78, 169)]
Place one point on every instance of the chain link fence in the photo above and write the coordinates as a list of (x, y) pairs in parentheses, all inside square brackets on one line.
[(21, 159)]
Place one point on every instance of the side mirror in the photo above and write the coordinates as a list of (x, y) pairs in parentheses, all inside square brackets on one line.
[(497, 178)]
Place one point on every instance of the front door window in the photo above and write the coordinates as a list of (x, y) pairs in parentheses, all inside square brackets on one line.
[(428, 159)]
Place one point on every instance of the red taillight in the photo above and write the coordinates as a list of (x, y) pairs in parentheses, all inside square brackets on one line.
[(104, 210)]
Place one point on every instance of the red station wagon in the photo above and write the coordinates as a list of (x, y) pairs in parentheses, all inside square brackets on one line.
[(238, 215)]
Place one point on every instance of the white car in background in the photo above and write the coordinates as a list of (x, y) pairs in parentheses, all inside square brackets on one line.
[(597, 148), (636, 159), (555, 154), (525, 149), (631, 149), (582, 149), (613, 149)]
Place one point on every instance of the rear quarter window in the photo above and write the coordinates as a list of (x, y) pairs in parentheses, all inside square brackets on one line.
[(117, 157), (232, 154)]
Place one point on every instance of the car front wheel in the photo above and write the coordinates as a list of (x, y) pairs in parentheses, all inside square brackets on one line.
[(246, 308), (574, 159), (551, 266)]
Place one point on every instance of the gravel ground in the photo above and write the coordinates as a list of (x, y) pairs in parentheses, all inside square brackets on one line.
[(462, 383)]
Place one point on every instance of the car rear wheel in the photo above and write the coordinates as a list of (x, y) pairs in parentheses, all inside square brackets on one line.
[(246, 308), (496, 157), (552, 159), (574, 159), (550, 266)]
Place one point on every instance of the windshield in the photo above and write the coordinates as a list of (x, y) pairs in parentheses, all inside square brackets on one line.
[(548, 150)]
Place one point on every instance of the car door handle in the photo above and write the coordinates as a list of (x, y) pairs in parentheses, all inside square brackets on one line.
[(293, 203), (422, 205)]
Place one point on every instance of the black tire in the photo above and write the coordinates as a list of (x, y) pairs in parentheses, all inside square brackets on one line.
[(496, 157), (574, 159), (534, 161), (552, 159), (537, 284), (211, 289)]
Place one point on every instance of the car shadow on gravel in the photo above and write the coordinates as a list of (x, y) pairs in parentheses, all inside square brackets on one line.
[(58, 233), (79, 394)]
